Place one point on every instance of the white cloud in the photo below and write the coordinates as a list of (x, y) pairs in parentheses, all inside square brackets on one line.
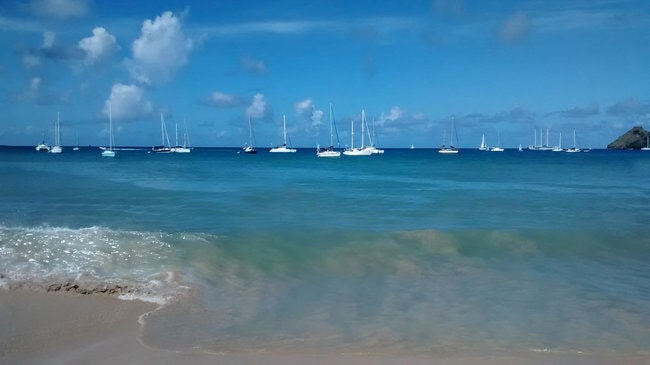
[(98, 47), (395, 113), (253, 66), (61, 9), (307, 110), (126, 102), (220, 99), (161, 49), (515, 28), (30, 61), (258, 108), (48, 39)]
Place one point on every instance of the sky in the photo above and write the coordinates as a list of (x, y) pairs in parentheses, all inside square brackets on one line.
[(508, 70)]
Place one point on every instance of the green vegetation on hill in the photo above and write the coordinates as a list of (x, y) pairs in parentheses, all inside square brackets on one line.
[(634, 139)]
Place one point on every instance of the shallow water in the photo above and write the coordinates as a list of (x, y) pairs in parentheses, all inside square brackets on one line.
[(411, 251)]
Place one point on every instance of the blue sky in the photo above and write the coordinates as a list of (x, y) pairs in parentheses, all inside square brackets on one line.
[(501, 68)]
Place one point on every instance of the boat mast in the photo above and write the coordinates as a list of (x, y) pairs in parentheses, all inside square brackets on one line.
[(284, 128)]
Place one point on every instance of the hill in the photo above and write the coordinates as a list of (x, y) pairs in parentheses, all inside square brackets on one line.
[(634, 139)]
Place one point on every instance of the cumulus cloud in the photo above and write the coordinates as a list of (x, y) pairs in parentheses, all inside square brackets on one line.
[(515, 28), (306, 109), (258, 109), (223, 100), (61, 9), (126, 102), (98, 47), (394, 114), (161, 49), (629, 107), (253, 66)]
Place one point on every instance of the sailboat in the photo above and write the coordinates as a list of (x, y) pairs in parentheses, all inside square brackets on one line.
[(574, 148), (371, 147), (498, 147), (483, 146), (329, 151), (283, 147), (250, 149), (451, 149), (647, 143), (109, 152), (558, 148), (43, 147), (57, 137), (164, 147), (185, 148), (362, 151)]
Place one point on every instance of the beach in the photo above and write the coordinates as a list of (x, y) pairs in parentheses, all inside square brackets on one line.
[(64, 328)]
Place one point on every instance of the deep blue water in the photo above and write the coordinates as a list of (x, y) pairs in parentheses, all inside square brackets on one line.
[(408, 251)]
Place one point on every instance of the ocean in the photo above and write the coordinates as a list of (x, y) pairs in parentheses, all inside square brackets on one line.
[(408, 252)]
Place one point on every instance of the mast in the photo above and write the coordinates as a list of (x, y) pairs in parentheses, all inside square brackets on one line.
[(110, 128), (331, 130), (363, 118), (284, 128)]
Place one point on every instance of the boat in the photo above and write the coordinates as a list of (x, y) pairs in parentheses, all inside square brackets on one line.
[(283, 147), (498, 147), (185, 147), (558, 148), (43, 147), (647, 143), (57, 137), (412, 147), (574, 148), (250, 149), (371, 147), (483, 146), (451, 149), (362, 151), (76, 148), (109, 152), (329, 151), (520, 149), (164, 147)]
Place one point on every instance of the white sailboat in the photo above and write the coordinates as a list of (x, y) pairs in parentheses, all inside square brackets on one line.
[(109, 152), (329, 151), (558, 148), (483, 146), (498, 147), (250, 149), (283, 147), (371, 147), (451, 149), (165, 146), (647, 143), (43, 147), (362, 151), (57, 137), (574, 148), (185, 147)]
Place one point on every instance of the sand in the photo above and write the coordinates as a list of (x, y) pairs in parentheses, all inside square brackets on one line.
[(63, 328)]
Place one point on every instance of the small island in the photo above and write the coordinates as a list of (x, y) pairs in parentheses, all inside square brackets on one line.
[(634, 139)]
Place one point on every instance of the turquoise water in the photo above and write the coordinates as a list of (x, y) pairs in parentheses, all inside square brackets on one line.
[(410, 251)]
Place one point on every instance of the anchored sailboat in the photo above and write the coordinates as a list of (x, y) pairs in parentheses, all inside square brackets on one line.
[(109, 152), (283, 147), (165, 147), (329, 151), (451, 149)]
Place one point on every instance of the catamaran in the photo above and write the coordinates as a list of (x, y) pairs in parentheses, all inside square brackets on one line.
[(574, 148)]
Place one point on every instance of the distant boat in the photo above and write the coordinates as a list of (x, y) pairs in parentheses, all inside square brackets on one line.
[(283, 147), (558, 148), (185, 147), (109, 152), (165, 147), (412, 147), (361, 151), (498, 147), (451, 149), (76, 148), (647, 143), (250, 149), (43, 147), (329, 151), (483, 146), (57, 137), (371, 147), (520, 149), (574, 148)]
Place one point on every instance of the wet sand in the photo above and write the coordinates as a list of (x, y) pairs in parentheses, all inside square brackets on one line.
[(63, 328)]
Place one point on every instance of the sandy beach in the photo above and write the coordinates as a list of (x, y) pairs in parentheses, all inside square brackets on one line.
[(64, 328)]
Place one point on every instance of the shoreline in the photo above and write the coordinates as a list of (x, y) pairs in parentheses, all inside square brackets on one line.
[(63, 327)]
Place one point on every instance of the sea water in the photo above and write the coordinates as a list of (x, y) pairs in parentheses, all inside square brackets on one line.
[(407, 252)]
